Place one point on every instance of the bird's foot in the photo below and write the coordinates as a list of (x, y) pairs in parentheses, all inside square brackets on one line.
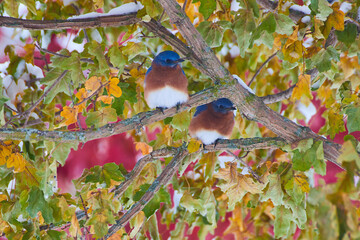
[(216, 142), (161, 109), (178, 105)]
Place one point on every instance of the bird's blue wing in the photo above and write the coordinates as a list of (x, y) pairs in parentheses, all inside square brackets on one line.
[(200, 109), (147, 72)]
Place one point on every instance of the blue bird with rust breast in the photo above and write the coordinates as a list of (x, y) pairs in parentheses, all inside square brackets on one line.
[(165, 83), (213, 121)]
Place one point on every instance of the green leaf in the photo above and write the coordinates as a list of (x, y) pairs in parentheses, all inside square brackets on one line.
[(314, 6), (97, 50), (284, 24), (347, 36), (207, 7), (62, 151), (153, 8), (56, 235), (324, 10), (117, 59), (243, 27), (254, 6), (322, 60), (6, 175), (213, 32), (151, 207), (181, 121), (134, 49), (274, 191), (38, 203), (30, 4), (73, 64), (283, 219), (11, 7), (268, 24), (61, 87), (353, 120), (112, 171), (101, 117)]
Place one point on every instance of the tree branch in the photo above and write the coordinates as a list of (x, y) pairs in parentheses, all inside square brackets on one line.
[(278, 97), (110, 129), (81, 23), (160, 181)]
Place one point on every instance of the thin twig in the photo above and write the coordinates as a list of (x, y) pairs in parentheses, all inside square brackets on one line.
[(261, 67), (246, 165), (278, 97), (28, 111)]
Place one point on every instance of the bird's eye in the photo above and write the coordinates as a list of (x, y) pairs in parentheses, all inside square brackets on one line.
[(168, 61), (221, 106)]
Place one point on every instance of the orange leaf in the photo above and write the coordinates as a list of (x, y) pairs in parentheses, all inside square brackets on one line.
[(113, 87), (302, 88), (335, 19), (93, 84), (81, 95), (143, 147), (70, 114), (105, 99)]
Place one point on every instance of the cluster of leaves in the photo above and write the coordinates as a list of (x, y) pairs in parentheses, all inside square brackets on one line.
[(112, 89)]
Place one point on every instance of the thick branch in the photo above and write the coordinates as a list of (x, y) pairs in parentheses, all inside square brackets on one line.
[(140, 119), (105, 21)]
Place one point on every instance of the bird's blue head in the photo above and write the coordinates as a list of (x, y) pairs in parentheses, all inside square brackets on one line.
[(223, 105), (168, 59)]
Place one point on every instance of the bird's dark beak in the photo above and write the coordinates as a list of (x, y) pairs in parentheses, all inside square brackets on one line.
[(232, 108), (180, 60)]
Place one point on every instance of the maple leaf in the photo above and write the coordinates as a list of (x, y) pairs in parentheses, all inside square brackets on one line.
[(17, 161), (302, 88), (113, 87), (75, 229), (137, 223), (143, 147), (93, 84), (236, 185), (335, 19), (70, 114), (81, 95), (301, 180)]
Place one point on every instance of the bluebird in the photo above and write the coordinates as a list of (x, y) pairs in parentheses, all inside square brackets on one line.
[(165, 83), (213, 121)]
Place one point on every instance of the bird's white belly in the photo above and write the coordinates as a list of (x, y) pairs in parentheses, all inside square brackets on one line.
[(209, 137), (166, 97)]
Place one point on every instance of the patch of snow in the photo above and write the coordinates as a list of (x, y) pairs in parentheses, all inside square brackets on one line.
[(224, 50), (345, 7), (68, 2), (235, 5), (223, 159), (176, 199), (308, 42), (96, 35), (37, 5), (305, 9), (20, 69), (245, 171), (34, 70), (121, 10), (45, 39), (243, 83), (68, 43), (3, 67), (270, 71), (307, 111), (306, 19), (234, 51), (23, 11)]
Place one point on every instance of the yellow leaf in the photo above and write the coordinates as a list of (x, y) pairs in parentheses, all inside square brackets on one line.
[(17, 161), (193, 145), (113, 87), (302, 88), (292, 51), (5, 153), (93, 84), (143, 147), (3, 197), (137, 222), (70, 114), (29, 56), (74, 229), (41, 219), (301, 181), (98, 4), (81, 95), (335, 19), (105, 99)]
